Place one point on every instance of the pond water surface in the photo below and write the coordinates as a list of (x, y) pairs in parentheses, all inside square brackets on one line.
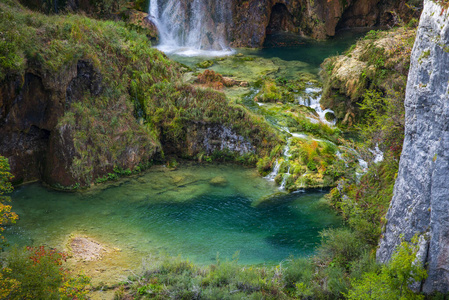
[(198, 211)]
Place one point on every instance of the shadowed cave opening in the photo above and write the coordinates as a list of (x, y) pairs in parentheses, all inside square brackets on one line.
[(280, 20)]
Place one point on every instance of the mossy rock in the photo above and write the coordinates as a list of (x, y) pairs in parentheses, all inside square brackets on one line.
[(177, 179), (219, 181), (330, 117), (244, 69), (205, 64)]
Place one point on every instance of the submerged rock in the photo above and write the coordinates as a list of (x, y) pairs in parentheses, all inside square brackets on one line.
[(86, 249), (420, 203), (220, 181)]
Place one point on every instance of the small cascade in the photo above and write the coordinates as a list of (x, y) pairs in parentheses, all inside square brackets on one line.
[(284, 179), (275, 171), (286, 154), (313, 101), (295, 134), (377, 153), (197, 28)]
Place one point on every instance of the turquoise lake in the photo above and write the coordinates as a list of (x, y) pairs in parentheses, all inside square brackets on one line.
[(179, 212)]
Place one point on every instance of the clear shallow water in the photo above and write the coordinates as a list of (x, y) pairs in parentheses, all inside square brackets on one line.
[(179, 212), (288, 51), (290, 47)]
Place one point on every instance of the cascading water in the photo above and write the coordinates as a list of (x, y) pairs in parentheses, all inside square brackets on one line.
[(275, 171), (196, 28), (313, 101), (277, 166)]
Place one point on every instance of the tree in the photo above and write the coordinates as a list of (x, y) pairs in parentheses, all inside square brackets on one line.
[(6, 215)]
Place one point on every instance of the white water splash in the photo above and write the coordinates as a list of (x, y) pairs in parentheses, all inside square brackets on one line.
[(294, 134), (192, 29), (299, 135), (378, 154), (312, 100), (275, 171), (284, 179)]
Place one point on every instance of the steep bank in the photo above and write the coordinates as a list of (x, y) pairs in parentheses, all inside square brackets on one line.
[(82, 98), (379, 62), (419, 205)]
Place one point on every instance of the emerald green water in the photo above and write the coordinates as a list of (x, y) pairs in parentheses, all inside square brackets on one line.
[(283, 54), (179, 212)]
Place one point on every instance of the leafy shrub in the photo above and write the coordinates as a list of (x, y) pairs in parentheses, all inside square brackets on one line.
[(394, 279), (40, 275), (340, 247), (6, 215), (296, 271)]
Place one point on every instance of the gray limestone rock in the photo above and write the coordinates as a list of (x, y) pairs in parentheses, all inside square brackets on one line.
[(420, 203)]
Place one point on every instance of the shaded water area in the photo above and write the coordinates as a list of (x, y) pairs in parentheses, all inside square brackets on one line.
[(197, 211)]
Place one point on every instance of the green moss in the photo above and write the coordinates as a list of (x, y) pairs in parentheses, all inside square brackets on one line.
[(379, 61), (205, 64), (143, 101), (424, 55)]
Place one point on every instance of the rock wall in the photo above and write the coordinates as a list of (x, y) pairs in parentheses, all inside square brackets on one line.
[(39, 146), (318, 19), (252, 20), (420, 203), (215, 137), (31, 105)]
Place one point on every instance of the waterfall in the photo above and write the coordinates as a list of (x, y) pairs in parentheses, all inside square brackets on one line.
[(277, 166), (275, 171), (313, 101), (192, 28), (153, 9)]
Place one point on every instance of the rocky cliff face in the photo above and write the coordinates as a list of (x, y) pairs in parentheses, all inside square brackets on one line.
[(420, 204), (40, 146), (252, 20), (319, 19)]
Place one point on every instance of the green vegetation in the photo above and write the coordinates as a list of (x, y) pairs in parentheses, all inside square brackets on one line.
[(6, 216), (341, 269), (379, 62), (364, 201), (100, 8), (37, 273), (394, 280), (144, 104)]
